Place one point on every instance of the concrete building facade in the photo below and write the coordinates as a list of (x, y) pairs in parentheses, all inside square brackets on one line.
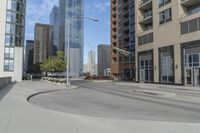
[(42, 42), (71, 12), (54, 21), (29, 54), (168, 41), (104, 57), (12, 23), (123, 38)]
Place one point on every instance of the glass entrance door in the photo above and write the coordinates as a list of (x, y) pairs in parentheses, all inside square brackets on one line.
[(142, 75), (197, 76), (189, 77), (146, 71)]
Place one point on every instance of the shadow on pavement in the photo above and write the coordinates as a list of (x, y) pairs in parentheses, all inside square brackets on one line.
[(5, 90)]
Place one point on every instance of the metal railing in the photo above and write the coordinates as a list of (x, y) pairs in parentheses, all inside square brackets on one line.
[(191, 12), (143, 2), (145, 16), (145, 29)]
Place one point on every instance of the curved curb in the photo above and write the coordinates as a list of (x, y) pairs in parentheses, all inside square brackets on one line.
[(49, 91)]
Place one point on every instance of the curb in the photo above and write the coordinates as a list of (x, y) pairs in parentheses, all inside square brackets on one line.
[(49, 91), (155, 93), (151, 86)]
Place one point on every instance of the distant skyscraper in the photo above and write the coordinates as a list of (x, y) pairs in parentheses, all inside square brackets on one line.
[(103, 58), (54, 21), (43, 46), (68, 10), (92, 62), (29, 54), (85, 68), (12, 23)]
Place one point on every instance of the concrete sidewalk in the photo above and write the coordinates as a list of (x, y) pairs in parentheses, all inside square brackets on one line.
[(157, 86), (19, 116)]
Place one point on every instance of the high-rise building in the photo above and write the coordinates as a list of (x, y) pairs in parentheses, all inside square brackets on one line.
[(43, 45), (85, 68), (54, 21), (71, 12), (29, 54), (168, 41), (12, 23), (92, 62), (123, 38), (103, 58)]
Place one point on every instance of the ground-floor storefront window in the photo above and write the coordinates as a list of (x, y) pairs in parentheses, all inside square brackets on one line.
[(166, 65)]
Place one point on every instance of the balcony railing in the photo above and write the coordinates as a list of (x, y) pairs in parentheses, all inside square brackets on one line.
[(145, 29), (191, 12), (145, 4), (146, 18), (189, 2)]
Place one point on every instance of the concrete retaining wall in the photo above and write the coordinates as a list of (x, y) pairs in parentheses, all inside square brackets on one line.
[(4, 81)]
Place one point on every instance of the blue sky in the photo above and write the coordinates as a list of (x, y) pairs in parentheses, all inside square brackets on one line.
[(95, 33)]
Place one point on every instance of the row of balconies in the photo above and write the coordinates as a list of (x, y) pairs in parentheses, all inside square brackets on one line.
[(147, 17), (147, 4)]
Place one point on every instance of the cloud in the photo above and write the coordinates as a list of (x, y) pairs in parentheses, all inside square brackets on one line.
[(37, 11), (97, 7)]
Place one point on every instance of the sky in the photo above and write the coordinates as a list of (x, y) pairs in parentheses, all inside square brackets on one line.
[(95, 33)]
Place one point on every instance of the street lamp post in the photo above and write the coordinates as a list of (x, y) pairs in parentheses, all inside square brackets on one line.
[(68, 25)]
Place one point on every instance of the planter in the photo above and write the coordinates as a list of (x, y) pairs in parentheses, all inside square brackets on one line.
[(55, 81)]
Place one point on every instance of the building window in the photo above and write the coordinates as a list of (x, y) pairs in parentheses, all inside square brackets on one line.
[(8, 65), (190, 26), (184, 28), (166, 65), (145, 39), (9, 53), (163, 2), (192, 60), (8, 17), (165, 16)]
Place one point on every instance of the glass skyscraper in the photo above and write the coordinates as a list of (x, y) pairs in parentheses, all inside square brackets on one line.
[(71, 11), (12, 14), (54, 21)]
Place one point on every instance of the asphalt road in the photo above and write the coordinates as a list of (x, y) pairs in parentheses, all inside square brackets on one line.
[(117, 102)]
